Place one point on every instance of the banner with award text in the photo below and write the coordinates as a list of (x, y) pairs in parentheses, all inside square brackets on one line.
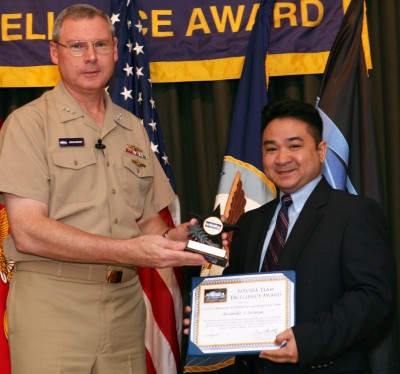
[(194, 40)]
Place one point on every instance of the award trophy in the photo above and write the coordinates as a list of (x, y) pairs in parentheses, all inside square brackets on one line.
[(206, 238), (208, 232)]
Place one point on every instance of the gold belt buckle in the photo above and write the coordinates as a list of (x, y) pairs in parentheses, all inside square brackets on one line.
[(114, 276)]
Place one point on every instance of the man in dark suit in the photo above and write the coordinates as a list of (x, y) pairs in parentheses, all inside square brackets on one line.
[(337, 244)]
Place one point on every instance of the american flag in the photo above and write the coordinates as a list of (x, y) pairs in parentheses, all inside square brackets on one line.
[(131, 88)]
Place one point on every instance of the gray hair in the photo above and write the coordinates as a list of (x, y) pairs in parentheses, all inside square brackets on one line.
[(79, 11)]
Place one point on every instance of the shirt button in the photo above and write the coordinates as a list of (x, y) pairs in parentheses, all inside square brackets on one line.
[(113, 191), (108, 163), (115, 220), (75, 162)]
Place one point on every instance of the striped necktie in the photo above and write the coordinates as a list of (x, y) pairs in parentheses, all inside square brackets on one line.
[(278, 237)]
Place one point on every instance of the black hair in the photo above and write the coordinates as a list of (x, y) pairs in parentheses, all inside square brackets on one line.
[(289, 108)]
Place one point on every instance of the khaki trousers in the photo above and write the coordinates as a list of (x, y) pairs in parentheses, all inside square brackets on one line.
[(64, 325)]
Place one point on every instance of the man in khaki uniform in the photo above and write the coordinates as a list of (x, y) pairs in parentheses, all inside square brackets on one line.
[(82, 191)]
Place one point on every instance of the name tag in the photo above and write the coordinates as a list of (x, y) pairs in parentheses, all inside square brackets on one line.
[(71, 142)]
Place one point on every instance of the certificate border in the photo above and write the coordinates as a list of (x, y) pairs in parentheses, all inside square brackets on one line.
[(198, 284)]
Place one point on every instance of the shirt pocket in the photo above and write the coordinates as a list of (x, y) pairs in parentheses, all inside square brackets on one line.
[(137, 178), (74, 175)]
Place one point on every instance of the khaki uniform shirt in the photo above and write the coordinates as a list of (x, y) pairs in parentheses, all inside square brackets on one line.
[(48, 153)]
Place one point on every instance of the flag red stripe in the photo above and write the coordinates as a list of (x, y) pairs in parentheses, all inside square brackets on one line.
[(178, 276), (149, 363)]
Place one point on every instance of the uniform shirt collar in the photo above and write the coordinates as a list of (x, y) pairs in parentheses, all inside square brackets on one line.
[(69, 109), (300, 197)]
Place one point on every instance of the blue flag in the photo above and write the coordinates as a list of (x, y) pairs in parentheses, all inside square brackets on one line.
[(243, 153)]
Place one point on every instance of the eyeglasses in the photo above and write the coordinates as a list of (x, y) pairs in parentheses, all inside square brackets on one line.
[(78, 48)]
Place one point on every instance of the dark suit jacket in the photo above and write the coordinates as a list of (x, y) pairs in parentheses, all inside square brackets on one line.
[(345, 276)]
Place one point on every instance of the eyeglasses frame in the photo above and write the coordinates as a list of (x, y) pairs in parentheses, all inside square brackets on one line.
[(87, 46)]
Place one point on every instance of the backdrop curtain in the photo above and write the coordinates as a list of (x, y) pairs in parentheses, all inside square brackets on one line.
[(195, 119)]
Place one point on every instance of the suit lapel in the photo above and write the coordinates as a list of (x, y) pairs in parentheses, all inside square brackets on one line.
[(306, 223)]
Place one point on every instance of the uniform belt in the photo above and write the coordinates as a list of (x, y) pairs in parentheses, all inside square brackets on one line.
[(97, 273)]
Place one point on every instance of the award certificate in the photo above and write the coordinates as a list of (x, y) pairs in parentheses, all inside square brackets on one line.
[(240, 314)]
